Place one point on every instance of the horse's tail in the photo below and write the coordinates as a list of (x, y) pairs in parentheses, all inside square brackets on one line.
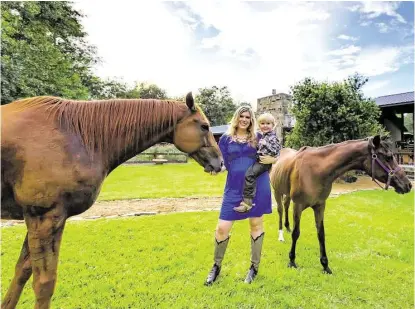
[(280, 181), (281, 171)]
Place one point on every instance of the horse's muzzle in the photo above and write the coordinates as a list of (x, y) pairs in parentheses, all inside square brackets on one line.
[(402, 188), (215, 167)]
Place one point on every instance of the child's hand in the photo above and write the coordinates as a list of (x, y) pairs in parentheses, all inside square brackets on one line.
[(267, 159)]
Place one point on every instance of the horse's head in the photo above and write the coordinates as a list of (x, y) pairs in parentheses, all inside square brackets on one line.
[(382, 165), (192, 135)]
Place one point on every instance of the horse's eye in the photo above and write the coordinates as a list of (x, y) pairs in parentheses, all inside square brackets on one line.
[(389, 158), (205, 127)]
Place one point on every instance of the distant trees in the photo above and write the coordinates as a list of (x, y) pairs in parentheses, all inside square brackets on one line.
[(332, 112), (217, 104), (43, 51)]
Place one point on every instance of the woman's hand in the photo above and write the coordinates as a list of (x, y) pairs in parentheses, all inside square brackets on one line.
[(267, 159)]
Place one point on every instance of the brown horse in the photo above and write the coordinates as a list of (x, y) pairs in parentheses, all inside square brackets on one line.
[(306, 177), (55, 154)]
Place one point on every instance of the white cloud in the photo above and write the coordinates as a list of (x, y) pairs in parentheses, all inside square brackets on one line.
[(372, 88), (354, 8), (141, 41), (373, 61), (347, 37), (344, 51), (366, 23), (373, 9), (253, 52), (282, 41), (383, 28)]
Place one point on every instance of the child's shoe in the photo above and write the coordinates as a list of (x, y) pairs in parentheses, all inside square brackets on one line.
[(245, 205)]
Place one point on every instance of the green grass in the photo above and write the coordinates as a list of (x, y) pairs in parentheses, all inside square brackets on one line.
[(162, 261), (155, 181)]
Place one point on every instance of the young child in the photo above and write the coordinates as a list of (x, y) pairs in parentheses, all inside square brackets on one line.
[(267, 145)]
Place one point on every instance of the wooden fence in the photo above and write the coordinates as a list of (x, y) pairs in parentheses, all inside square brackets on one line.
[(159, 157)]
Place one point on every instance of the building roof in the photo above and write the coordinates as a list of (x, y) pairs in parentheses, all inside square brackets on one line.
[(404, 98), (219, 129)]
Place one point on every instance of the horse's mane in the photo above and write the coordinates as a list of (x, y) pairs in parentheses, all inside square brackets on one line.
[(107, 124), (385, 141)]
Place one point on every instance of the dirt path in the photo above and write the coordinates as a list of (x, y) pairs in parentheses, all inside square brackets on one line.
[(136, 207)]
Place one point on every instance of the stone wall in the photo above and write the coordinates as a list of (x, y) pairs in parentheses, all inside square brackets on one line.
[(278, 105)]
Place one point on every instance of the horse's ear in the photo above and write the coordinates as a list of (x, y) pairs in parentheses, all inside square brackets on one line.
[(375, 141), (190, 102)]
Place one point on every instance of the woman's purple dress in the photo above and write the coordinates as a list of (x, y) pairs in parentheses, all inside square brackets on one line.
[(237, 158)]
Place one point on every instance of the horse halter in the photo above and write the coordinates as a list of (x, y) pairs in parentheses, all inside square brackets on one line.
[(390, 172)]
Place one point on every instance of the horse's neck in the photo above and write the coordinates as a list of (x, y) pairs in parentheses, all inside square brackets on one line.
[(344, 157), (127, 145), (129, 149)]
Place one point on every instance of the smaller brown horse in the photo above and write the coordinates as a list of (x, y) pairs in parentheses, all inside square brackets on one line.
[(55, 154), (306, 177)]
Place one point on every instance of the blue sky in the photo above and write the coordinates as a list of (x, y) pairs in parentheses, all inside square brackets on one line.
[(253, 47)]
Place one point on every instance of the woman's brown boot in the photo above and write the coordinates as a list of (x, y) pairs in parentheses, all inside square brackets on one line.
[(256, 248), (220, 248)]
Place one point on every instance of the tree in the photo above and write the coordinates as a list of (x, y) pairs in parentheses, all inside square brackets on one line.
[(217, 104), (107, 89), (44, 51), (332, 112), (409, 122), (112, 88), (144, 90)]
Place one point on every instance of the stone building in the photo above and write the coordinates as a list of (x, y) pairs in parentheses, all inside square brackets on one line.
[(278, 105)]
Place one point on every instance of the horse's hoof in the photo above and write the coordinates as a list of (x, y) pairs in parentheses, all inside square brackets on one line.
[(281, 239), (292, 264), (327, 271)]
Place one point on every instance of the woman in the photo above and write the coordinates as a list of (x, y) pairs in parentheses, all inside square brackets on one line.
[(238, 147)]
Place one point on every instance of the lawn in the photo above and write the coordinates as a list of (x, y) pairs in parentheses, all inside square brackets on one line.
[(161, 261), (155, 181)]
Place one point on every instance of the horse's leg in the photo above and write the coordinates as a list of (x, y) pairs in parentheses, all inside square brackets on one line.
[(297, 210), (280, 209), (45, 228), (287, 201), (319, 217), (23, 271)]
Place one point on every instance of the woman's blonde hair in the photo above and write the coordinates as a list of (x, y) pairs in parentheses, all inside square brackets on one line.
[(252, 128)]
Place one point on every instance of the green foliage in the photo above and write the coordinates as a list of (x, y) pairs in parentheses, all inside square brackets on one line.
[(106, 89), (217, 104), (111, 89), (409, 122), (144, 90), (44, 51), (332, 112), (162, 261)]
